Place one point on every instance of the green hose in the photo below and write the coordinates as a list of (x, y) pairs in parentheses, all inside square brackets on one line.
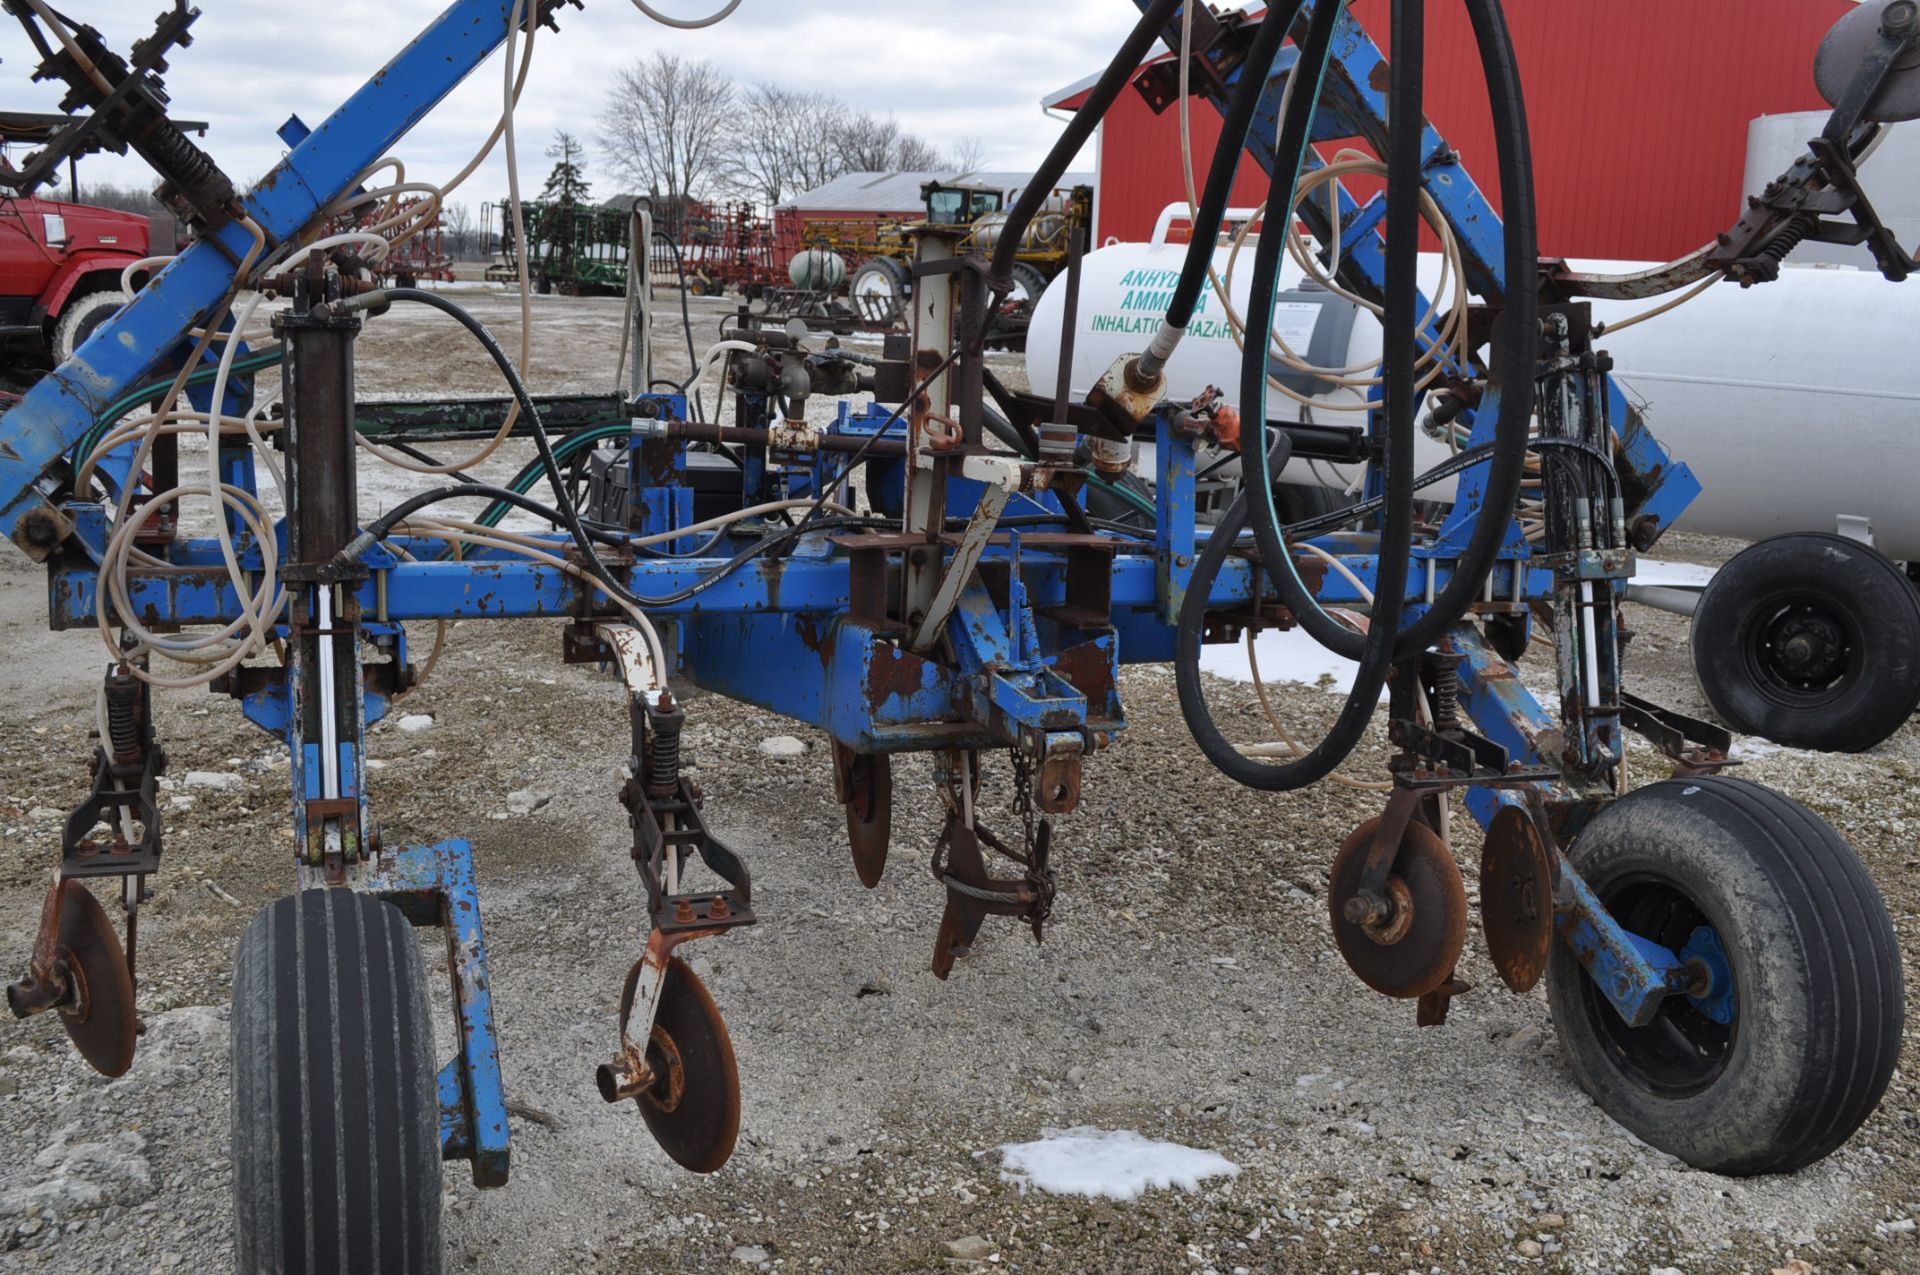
[(1127, 494), (141, 393), (565, 449)]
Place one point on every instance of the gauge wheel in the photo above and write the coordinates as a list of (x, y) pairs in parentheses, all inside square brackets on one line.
[(1792, 1035), (1810, 640), (336, 1113)]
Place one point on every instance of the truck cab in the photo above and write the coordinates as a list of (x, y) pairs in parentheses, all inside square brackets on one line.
[(960, 205), (60, 266)]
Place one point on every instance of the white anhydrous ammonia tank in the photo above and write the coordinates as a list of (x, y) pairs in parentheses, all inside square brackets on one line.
[(1794, 402), (1124, 290)]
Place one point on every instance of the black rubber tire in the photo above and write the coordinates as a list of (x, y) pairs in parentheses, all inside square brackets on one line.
[(1819, 1005), (1030, 280), (77, 321), (876, 307), (333, 1076), (1827, 586)]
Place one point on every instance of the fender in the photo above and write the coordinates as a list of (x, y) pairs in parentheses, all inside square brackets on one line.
[(77, 267)]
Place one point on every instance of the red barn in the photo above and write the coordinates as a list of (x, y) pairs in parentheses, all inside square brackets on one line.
[(1639, 111)]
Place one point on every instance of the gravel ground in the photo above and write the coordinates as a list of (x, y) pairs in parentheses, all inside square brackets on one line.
[(1187, 989)]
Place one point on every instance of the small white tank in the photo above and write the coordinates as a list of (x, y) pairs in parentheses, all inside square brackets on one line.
[(817, 270), (1045, 233)]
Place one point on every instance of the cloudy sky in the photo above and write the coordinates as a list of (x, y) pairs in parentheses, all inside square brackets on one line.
[(945, 68)]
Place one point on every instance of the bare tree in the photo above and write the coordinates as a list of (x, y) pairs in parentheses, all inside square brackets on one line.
[(917, 154), (456, 224), (133, 199), (665, 127), (865, 142), (781, 145), (968, 154), (681, 130)]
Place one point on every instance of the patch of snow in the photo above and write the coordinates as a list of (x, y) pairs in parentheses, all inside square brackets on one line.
[(1289, 655), (1671, 574), (1116, 1163)]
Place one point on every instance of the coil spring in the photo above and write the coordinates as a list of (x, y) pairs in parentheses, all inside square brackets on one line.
[(1790, 237), (123, 725), (190, 169), (1446, 690), (663, 753)]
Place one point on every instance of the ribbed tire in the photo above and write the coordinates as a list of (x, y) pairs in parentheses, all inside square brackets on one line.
[(1812, 640), (336, 1147), (879, 290), (1819, 1006), (77, 322)]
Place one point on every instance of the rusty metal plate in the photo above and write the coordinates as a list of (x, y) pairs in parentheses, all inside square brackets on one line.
[(866, 790), (1847, 45), (100, 1018), (1516, 898), (693, 1105), (1413, 950)]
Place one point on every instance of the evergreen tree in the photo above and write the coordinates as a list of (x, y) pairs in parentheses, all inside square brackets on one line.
[(566, 191), (567, 183)]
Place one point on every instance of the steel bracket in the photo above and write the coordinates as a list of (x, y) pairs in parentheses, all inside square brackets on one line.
[(435, 886)]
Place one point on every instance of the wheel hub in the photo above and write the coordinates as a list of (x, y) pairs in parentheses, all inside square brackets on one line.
[(1806, 647), (1405, 940)]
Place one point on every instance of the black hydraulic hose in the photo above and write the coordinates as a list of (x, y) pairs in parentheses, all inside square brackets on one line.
[(564, 513), (1022, 442), (1457, 463), (1516, 335), (1235, 125), (1400, 376), (382, 527), (419, 455), (1257, 478), (1513, 369), (1100, 99)]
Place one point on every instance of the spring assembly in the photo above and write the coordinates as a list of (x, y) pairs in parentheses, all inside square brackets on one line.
[(123, 719), (194, 187), (1788, 239), (1445, 663), (664, 723)]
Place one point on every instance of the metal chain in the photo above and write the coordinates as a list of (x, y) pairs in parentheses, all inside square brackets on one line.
[(1023, 799)]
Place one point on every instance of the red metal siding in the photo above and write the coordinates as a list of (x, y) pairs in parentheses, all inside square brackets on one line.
[(1639, 111)]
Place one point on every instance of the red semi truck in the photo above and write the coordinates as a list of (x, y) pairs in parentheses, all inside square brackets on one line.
[(60, 268)]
